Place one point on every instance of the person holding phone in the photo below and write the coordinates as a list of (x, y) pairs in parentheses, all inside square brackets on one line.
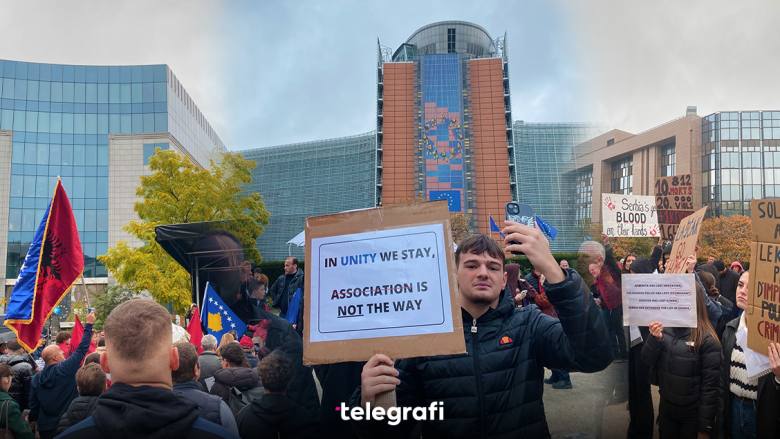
[(687, 362), (495, 389)]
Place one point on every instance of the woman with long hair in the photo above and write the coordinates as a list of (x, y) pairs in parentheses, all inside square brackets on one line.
[(750, 404), (226, 339), (687, 362), (513, 273)]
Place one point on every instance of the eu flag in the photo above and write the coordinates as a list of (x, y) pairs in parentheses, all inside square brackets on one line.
[(452, 197), (545, 227), (219, 317), (494, 227), (53, 264)]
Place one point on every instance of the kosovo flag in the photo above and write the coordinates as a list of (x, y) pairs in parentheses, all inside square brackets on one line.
[(52, 266), (219, 318)]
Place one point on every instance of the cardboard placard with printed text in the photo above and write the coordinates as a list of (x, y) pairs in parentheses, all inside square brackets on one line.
[(685, 242), (674, 201), (381, 281), (626, 216), (764, 285)]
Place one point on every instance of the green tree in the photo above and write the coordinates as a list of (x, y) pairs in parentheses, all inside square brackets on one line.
[(180, 192), (106, 301)]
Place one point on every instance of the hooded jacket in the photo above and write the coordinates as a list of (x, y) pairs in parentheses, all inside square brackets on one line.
[(127, 412), (276, 416), (80, 409), (239, 377), (23, 373), (495, 389), (52, 389)]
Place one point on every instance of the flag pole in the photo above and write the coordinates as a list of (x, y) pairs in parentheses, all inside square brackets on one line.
[(86, 294)]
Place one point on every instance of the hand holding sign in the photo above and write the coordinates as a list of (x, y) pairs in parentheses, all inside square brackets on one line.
[(656, 330), (378, 376), (536, 247)]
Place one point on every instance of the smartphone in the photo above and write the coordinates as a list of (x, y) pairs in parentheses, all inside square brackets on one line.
[(89, 310), (520, 213)]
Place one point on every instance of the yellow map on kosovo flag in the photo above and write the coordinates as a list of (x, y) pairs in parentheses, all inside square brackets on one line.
[(215, 322)]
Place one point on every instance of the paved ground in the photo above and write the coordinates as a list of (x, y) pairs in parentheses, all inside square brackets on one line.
[(595, 407)]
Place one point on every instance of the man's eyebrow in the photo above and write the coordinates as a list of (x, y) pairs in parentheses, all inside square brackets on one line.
[(477, 261)]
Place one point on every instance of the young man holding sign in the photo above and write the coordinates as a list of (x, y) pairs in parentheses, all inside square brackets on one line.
[(495, 389)]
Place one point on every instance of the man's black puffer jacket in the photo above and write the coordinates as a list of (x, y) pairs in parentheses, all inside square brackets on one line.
[(495, 389), (685, 377)]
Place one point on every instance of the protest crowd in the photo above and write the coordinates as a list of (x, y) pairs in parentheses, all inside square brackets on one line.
[(140, 378)]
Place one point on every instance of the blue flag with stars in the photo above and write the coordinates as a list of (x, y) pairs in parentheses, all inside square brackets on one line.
[(545, 227), (218, 317), (494, 227), (452, 197)]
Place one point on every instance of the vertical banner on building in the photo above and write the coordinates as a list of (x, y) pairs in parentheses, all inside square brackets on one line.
[(764, 287), (685, 241), (626, 216), (674, 201)]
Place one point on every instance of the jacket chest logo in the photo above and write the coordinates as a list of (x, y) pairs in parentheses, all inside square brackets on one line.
[(505, 340)]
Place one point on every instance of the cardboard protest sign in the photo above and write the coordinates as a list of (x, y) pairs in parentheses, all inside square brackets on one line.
[(381, 281), (685, 242), (625, 216), (666, 298), (764, 286), (673, 201)]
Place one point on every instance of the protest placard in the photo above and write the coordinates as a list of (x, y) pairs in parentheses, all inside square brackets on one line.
[(666, 298), (685, 242), (625, 216), (673, 201), (764, 286), (381, 281)]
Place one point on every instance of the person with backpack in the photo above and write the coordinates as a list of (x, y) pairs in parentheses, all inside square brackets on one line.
[(10, 415), (275, 414), (237, 384)]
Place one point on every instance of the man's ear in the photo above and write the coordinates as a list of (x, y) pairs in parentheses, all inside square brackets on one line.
[(600, 260), (174, 360), (104, 362), (197, 371), (506, 276)]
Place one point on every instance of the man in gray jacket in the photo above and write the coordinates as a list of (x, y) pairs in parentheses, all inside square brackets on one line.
[(209, 360)]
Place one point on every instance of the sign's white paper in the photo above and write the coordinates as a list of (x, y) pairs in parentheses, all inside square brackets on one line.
[(626, 216), (666, 298), (386, 283)]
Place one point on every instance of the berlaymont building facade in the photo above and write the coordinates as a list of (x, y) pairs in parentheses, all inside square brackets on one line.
[(95, 127)]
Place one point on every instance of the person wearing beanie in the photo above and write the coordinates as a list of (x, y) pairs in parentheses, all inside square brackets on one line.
[(728, 281), (249, 351)]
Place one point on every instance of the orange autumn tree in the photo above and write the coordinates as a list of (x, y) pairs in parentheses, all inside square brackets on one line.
[(726, 238)]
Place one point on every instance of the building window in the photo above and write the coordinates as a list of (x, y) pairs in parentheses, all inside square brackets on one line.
[(584, 195), (610, 142), (149, 150), (622, 176), (451, 40), (667, 160)]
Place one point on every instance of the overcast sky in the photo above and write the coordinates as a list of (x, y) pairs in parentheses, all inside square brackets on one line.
[(269, 73)]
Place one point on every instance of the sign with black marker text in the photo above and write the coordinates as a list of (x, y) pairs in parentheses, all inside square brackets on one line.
[(626, 216)]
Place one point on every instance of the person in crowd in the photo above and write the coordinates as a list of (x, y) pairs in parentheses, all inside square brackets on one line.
[(710, 259), (660, 255), (709, 268), (629, 259), (248, 346), (209, 360), (737, 267), (235, 372), (708, 282), (63, 341), (95, 358), (260, 331), (337, 380), (640, 397), (564, 264), (257, 291), (227, 338), (91, 382), (24, 369), (9, 408), (275, 415), (513, 275), (185, 382), (489, 405), (284, 289), (728, 281), (687, 362), (52, 390), (749, 404), (257, 273), (140, 356), (602, 266)]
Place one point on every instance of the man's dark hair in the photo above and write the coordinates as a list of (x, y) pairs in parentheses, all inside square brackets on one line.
[(253, 286), (275, 372), (477, 245), (91, 380), (294, 260), (233, 353), (101, 342), (257, 270), (188, 358), (13, 345), (62, 336), (92, 358)]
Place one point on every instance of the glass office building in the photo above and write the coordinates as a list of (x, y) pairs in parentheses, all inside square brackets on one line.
[(309, 179), (542, 163), (62, 120)]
